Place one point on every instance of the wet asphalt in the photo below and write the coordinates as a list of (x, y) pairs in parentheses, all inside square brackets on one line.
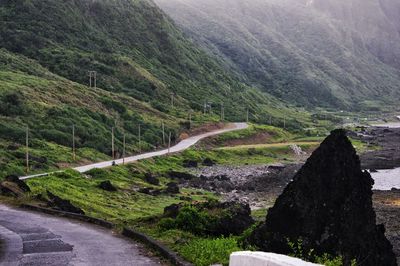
[(34, 239)]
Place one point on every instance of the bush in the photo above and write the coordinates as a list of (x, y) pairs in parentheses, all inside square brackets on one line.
[(204, 252), (97, 173), (167, 224), (192, 220)]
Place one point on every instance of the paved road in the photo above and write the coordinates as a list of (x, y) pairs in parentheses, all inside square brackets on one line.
[(183, 145), (37, 239)]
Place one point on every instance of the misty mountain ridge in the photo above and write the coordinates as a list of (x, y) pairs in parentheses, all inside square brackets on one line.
[(340, 54)]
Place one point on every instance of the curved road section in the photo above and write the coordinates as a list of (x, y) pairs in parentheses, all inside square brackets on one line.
[(181, 146), (37, 239)]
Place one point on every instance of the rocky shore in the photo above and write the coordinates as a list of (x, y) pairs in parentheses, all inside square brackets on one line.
[(387, 156)]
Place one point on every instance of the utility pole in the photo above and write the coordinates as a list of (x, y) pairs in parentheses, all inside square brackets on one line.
[(270, 120), (140, 141), (222, 112), (190, 119), (73, 142), (27, 150), (247, 115), (169, 143), (284, 122), (163, 132), (205, 108), (112, 143), (123, 151), (93, 79), (172, 100)]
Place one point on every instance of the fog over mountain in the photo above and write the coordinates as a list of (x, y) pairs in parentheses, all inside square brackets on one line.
[(331, 53)]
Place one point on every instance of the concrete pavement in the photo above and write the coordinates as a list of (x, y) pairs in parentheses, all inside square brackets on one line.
[(181, 146), (37, 239)]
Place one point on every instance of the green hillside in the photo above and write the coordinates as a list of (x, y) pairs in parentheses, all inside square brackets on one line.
[(132, 45), (338, 54), (47, 48)]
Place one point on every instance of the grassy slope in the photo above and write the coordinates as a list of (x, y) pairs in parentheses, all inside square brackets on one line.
[(46, 49), (32, 96)]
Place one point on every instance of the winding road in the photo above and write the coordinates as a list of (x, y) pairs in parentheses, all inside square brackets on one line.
[(34, 239), (181, 146), (28, 238)]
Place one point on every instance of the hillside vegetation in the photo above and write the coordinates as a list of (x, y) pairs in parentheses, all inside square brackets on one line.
[(141, 58), (339, 54)]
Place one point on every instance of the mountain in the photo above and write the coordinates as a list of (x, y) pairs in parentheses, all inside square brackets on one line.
[(142, 60), (327, 53)]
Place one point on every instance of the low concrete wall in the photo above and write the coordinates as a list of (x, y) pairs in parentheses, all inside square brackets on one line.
[(155, 245), (248, 258), (71, 215)]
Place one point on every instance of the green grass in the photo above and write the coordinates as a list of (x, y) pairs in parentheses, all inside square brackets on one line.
[(204, 252), (123, 207)]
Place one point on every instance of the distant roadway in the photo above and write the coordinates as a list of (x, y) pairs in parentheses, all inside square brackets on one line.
[(181, 146)]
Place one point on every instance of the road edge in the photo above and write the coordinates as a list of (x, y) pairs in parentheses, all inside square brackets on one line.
[(130, 233)]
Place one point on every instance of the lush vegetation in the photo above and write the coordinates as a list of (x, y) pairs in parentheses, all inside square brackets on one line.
[(141, 58)]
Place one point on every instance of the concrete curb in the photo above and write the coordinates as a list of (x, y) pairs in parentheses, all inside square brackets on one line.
[(71, 215), (129, 233), (160, 248)]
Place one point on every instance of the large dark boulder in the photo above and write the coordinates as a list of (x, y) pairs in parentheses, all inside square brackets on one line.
[(328, 206), (62, 204)]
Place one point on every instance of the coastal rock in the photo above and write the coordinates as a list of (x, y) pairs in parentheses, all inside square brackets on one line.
[(151, 179), (208, 162), (107, 186), (328, 207)]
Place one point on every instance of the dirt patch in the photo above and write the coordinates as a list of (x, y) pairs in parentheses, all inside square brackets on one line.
[(206, 128), (259, 138)]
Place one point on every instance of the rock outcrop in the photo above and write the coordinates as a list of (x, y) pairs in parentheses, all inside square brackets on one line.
[(328, 206), (61, 204), (107, 186), (13, 186)]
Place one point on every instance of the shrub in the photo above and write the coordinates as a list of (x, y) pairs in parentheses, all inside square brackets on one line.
[(167, 224), (97, 173), (192, 220)]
